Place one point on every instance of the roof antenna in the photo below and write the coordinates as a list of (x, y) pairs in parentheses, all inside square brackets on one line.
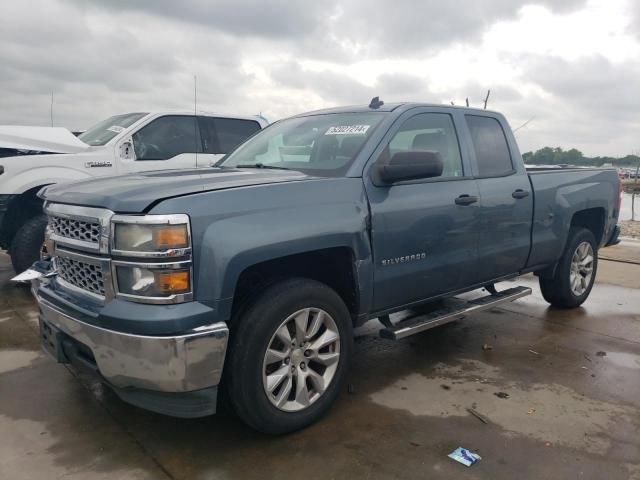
[(486, 99), (376, 103)]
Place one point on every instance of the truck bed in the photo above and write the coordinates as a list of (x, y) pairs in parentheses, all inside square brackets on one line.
[(559, 194)]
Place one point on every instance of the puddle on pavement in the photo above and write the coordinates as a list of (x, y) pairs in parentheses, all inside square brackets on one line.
[(622, 359), (547, 412), (15, 359)]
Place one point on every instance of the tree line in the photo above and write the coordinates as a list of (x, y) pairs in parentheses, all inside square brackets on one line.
[(558, 156)]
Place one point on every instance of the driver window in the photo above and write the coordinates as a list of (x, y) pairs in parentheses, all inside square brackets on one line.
[(432, 132), (166, 137)]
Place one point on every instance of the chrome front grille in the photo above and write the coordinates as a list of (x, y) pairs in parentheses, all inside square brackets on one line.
[(80, 274), (74, 229), (79, 240)]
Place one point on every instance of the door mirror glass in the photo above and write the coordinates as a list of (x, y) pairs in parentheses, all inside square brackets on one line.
[(411, 165), (126, 150)]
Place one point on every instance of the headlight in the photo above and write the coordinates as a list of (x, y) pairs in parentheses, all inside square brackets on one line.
[(138, 243), (153, 235), (162, 281)]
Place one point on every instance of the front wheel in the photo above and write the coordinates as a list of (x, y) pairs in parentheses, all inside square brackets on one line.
[(575, 273), (288, 356), (27, 243)]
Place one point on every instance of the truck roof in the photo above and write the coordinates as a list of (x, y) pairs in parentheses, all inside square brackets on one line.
[(207, 114), (390, 107)]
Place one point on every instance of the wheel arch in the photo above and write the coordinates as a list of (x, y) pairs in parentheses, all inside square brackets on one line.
[(21, 208), (592, 219), (334, 267)]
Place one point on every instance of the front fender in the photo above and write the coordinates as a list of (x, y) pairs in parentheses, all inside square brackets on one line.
[(36, 177), (237, 228)]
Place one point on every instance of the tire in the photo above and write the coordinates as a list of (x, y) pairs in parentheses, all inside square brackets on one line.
[(259, 326), (27, 243), (558, 289)]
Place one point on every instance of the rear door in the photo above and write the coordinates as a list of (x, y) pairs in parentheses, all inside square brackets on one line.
[(167, 142), (424, 236), (506, 198), (221, 135)]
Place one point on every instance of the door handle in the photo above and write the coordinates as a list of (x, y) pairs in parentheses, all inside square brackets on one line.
[(466, 199), (519, 193)]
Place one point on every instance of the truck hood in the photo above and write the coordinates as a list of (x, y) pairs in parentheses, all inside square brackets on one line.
[(134, 193), (40, 139)]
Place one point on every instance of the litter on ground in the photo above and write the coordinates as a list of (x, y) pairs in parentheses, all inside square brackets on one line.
[(464, 456)]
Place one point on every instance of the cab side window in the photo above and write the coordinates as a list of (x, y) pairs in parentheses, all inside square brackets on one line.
[(432, 132), (490, 144), (166, 137)]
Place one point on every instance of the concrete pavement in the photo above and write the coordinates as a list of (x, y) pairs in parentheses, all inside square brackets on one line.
[(560, 392)]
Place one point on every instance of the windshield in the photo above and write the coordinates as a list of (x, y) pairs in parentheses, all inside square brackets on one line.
[(323, 145), (104, 131)]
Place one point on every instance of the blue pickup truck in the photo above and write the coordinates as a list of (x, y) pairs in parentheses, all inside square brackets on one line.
[(250, 277)]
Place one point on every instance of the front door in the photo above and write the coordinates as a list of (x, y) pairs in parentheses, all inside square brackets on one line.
[(424, 231), (167, 142)]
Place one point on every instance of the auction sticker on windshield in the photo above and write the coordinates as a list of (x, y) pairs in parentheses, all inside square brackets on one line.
[(348, 130), (115, 128)]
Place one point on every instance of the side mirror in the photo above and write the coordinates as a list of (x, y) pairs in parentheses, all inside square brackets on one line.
[(126, 150), (411, 165)]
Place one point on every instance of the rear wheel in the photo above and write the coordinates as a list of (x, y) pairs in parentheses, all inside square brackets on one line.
[(288, 356), (575, 273), (27, 243)]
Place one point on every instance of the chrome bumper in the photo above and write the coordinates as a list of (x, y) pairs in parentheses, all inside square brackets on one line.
[(183, 363)]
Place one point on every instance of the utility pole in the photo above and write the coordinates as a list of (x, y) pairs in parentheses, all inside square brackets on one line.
[(634, 188), (51, 110)]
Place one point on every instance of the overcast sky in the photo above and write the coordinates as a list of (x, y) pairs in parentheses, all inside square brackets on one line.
[(573, 66)]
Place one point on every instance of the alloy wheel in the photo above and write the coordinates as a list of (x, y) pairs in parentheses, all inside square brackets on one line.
[(581, 268), (301, 359)]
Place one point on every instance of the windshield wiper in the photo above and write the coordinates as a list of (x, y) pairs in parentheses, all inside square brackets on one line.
[(261, 165)]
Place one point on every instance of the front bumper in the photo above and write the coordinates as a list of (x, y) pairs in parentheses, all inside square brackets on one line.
[(175, 375)]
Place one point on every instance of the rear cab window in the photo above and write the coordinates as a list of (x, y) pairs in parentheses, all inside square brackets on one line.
[(223, 135), (493, 157)]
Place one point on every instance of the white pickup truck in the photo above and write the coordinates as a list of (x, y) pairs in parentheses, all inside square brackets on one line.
[(131, 142)]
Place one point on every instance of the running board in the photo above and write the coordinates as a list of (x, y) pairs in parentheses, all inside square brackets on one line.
[(454, 310)]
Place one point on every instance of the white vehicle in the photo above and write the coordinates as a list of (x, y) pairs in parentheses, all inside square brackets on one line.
[(128, 143)]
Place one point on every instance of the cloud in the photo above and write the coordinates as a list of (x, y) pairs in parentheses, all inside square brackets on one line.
[(591, 103), (408, 27), (337, 28), (569, 63), (256, 18), (104, 65), (592, 85)]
